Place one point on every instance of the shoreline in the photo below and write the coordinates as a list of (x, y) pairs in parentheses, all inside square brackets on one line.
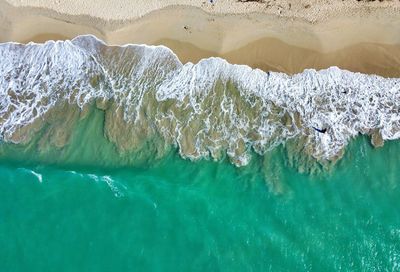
[(146, 91), (367, 44)]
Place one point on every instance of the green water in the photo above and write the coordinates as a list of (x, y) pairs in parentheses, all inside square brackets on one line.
[(61, 212)]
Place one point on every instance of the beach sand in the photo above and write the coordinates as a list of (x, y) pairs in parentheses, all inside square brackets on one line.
[(281, 35)]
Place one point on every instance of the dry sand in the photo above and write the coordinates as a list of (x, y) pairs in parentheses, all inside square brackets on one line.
[(279, 35)]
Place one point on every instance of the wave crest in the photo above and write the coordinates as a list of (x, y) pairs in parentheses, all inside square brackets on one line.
[(206, 109)]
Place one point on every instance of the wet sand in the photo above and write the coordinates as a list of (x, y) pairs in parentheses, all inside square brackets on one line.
[(270, 54), (363, 38)]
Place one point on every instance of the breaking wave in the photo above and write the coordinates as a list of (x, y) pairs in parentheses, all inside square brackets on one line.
[(208, 109)]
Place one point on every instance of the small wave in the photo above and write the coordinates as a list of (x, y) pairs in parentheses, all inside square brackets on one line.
[(116, 188), (206, 109), (94, 177), (37, 175)]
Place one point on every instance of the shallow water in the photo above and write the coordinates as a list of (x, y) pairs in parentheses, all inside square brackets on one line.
[(208, 109)]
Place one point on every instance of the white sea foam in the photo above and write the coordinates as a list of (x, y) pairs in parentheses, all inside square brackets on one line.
[(93, 177), (226, 107), (37, 175), (115, 187)]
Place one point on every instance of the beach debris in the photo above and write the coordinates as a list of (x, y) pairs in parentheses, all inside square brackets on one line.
[(323, 130), (187, 28), (258, 1)]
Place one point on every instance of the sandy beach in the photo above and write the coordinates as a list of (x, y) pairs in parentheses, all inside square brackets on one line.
[(287, 36)]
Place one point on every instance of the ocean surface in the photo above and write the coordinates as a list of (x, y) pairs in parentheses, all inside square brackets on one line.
[(116, 158)]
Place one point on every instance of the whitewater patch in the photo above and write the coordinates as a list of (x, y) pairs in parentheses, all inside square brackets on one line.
[(208, 109)]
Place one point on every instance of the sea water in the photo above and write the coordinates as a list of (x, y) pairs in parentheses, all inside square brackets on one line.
[(193, 216), (97, 174)]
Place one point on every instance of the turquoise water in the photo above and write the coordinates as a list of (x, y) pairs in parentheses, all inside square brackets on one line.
[(98, 179), (177, 215)]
